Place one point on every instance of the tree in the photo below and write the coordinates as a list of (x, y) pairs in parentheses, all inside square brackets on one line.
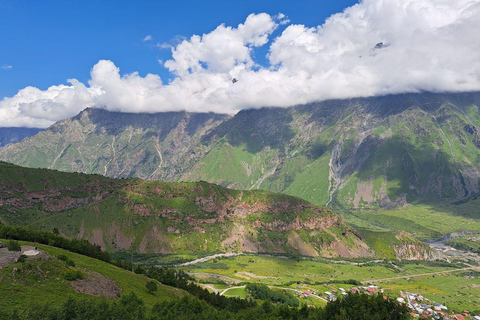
[(151, 286)]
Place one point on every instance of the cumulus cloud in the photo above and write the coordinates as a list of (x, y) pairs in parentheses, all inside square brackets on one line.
[(222, 49), (375, 47), (6, 66), (147, 38)]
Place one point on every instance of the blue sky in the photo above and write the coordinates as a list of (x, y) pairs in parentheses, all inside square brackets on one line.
[(48, 42), (317, 50)]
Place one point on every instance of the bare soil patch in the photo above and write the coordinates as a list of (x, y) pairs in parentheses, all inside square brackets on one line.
[(97, 285)]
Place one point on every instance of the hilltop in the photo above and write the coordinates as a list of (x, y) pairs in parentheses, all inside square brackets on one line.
[(160, 217)]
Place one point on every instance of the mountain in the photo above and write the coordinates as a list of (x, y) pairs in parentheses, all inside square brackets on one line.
[(119, 144), (14, 135), (181, 217), (366, 153)]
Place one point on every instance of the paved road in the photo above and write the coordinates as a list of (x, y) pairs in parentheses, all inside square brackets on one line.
[(221, 293), (209, 286), (419, 275)]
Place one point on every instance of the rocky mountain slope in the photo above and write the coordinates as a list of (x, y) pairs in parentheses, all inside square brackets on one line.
[(365, 153), (160, 217)]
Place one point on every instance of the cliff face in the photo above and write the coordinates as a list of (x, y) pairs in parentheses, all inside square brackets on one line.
[(369, 153), (411, 249), (149, 216)]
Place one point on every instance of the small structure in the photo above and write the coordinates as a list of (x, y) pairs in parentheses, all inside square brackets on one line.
[(331, 298), (1, 244), (371, 290)]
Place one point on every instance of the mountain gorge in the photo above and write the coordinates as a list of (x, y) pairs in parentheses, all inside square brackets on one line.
[(365, 153)]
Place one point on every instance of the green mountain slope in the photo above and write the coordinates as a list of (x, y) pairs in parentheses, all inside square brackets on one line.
[(181, 217), (43, 279), (367, 153)]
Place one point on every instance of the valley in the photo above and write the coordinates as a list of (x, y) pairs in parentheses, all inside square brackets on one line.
[(398, 179)]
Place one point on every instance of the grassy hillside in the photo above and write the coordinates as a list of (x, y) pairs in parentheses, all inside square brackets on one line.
[(181, 217), (43, 279)]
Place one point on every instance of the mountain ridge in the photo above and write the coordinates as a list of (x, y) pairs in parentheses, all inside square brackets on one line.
[(355, 154)]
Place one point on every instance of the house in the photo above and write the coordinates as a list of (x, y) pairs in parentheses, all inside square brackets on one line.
[(371, 290), (400, 300), (306, 293), (355, 290), (458, 317), (331, 297), (476, 318)]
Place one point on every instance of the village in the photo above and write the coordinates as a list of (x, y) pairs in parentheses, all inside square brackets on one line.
[(419, 306)]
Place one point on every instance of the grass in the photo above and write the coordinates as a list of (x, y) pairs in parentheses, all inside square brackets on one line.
[(46, 283), (425, 222), (453, 289), (237, 292)]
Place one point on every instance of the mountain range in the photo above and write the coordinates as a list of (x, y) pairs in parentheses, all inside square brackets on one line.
[(365, 153)]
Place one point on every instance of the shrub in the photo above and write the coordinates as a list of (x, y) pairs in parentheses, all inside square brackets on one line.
[(151, 286), (63, 257), (72, 275), (14, 246)]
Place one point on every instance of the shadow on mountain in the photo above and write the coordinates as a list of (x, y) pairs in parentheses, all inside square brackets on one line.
[(256, 128), (161, 124)]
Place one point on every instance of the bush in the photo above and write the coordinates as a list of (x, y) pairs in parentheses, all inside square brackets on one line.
[(72, 275), (14, 246), (151, 286), (63, 257)]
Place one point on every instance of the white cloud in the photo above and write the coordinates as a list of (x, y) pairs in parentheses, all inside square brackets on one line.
[(427, 45), (147, 38), (222, 49), (6, 67)]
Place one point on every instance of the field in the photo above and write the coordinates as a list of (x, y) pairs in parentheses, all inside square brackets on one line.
[(460, 290), (423, 221)]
